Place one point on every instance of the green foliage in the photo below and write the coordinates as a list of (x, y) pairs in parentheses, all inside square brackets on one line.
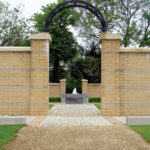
[(95, 99), (13, 27), (54, 99), (145, 39), (74, 78), (122, 17), (144, 130), (64, 47), (7, 133), (89, 67), (98, 106), (50, 106)]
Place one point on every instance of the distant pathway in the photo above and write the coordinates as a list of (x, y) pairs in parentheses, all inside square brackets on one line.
[(72, 115), (74, 109)]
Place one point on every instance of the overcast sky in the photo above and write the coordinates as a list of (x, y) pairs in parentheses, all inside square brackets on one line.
[(33, 6), (30, 6)]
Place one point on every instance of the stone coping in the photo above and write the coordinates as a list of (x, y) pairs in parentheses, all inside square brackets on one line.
[(4, 120), (15, 49), (135, 50), (74, 96), (97, 84), (138, 120), (41, 36), (54, 84)]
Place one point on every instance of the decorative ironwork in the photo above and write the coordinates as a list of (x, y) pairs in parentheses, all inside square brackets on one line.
[(75, 3)]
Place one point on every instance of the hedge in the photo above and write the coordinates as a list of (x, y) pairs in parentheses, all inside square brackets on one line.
[(95, 99), (54, 99), (58, 99)]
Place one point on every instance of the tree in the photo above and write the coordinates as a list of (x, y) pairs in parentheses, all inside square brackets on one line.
[(122, 16), (13, 27), (90, 64), (64, 47), (128, 15), (145, 39)]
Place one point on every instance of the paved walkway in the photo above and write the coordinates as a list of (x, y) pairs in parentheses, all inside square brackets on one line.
[(74, 109), (72, 115), (75, 121)]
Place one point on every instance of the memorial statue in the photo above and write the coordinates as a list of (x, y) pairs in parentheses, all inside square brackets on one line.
[(74, 91)]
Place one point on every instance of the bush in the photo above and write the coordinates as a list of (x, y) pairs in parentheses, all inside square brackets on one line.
[(54, 99), (74, 77), (95, 99)]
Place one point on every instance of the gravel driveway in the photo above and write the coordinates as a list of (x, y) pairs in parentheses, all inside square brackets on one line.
[(77, 138)]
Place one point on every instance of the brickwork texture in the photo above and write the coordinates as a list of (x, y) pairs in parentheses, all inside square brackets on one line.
[(25, 88)]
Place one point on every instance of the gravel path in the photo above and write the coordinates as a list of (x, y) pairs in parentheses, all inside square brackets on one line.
[(75, 121), (77, 138)]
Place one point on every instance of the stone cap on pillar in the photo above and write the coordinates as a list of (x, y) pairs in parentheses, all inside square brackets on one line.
[(110, 36), (63, 80), (84, 80), (41, 36)]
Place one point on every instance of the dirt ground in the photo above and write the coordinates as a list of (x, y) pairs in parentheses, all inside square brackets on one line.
[(77, 138)]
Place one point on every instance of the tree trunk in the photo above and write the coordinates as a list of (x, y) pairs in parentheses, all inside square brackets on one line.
[(56, 66)]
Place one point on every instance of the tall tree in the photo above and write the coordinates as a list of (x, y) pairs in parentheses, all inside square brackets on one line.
[(90, 64), (145, 38), (64, 47), (13, 27), (122, 16)]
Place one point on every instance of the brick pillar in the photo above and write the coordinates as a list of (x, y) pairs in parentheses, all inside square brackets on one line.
[(62, 86), (84, 86), (39, 73), (110, 74)]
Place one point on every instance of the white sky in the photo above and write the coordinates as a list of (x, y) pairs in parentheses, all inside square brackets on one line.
[(30, 6), (33, 6)]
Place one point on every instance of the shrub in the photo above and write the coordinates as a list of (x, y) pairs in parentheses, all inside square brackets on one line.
[(54, 99), (95, 99)]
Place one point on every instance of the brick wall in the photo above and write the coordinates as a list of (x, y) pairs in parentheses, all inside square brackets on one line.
[(15, 80), (91, 89), (135, 81), (125, 78), (56, 89), (24, 72), (94, 89)]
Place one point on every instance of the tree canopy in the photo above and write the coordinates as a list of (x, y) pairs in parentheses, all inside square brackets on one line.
[(64, 46), (13, 27), (124, 17)]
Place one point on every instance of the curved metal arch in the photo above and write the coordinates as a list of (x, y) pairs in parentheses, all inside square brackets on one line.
[(76, 3), (76, 70)]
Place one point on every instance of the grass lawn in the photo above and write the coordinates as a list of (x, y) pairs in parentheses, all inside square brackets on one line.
[(98, 105), (7, 133), (50, 106), (54, 102), (143, 130)]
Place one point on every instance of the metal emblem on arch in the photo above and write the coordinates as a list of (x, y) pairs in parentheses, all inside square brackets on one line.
[(76, 3)]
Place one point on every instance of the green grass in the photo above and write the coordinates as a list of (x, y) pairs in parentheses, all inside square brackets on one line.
[(94, 102), (98, 106), (143, 130), (50, 106), (54, 102), (7, 133)]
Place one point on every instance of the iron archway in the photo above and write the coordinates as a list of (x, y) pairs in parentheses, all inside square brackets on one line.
[(75, 3)]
